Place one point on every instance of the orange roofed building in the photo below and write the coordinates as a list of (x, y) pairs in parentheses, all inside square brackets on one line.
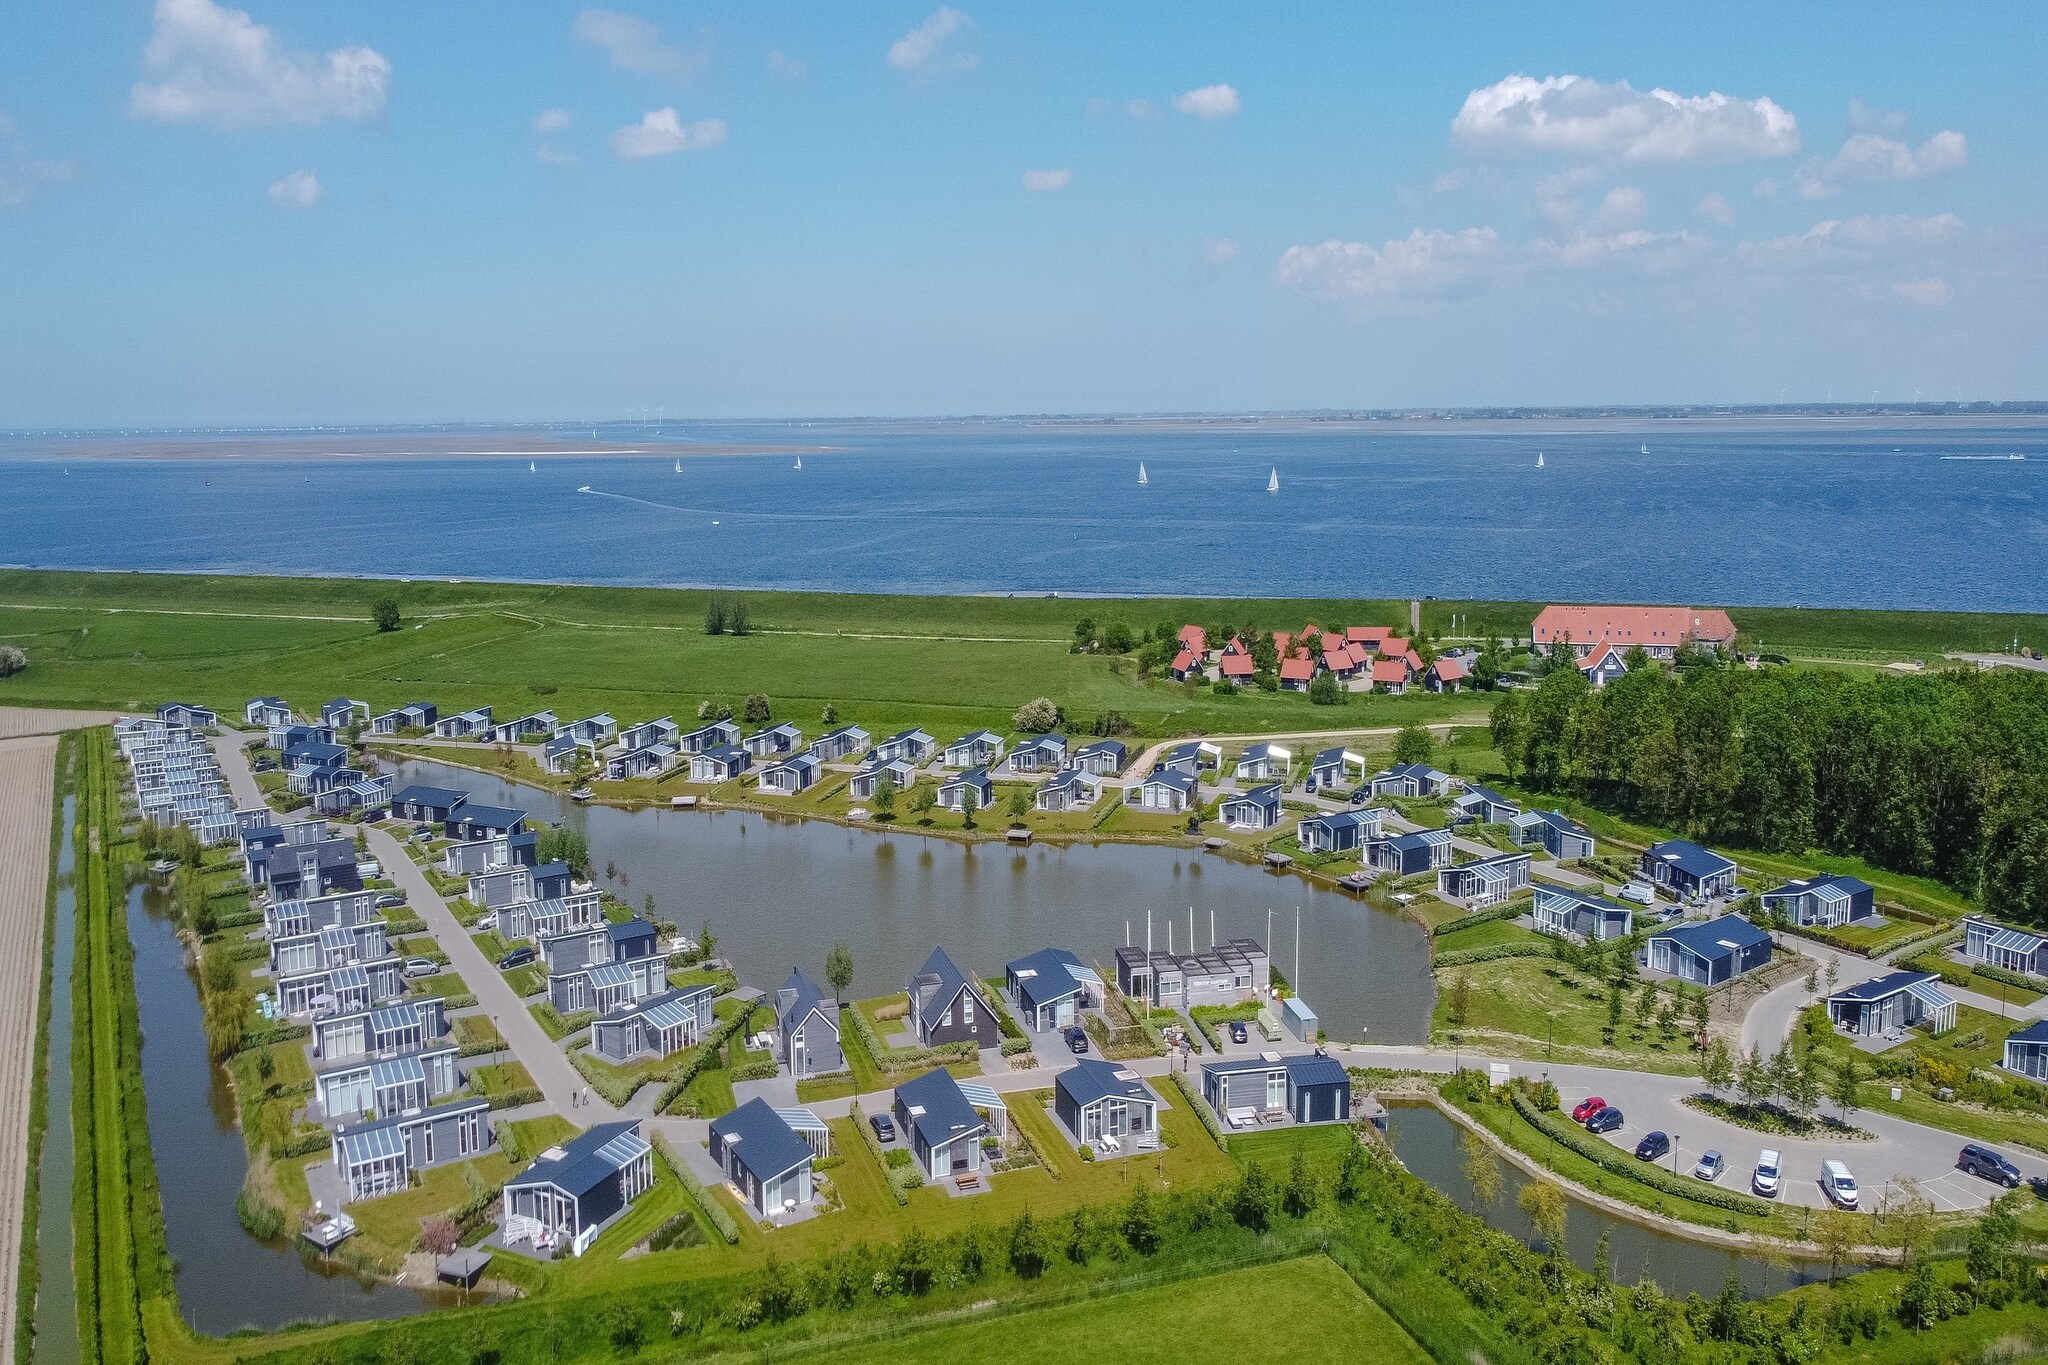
[(1659, 630)]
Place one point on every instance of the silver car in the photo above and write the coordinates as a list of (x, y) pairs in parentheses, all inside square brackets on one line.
[(1710, 1166)]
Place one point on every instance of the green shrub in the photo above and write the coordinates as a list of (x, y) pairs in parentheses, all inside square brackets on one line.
[(1615, 1161)]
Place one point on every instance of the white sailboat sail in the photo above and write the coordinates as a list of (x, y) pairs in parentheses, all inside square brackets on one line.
[(1273, 483), (799, 462), (679, 466), (1539, 459), (1141, 473)]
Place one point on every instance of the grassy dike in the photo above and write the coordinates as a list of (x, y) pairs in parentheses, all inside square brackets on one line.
[(886, 662)]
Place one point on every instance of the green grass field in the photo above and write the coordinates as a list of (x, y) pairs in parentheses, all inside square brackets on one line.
[(1309, 1309)]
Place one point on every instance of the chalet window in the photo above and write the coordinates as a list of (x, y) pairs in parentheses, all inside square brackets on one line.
[(967, 1010)]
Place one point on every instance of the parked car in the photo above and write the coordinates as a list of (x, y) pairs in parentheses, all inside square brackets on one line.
[(1710, 1166), (487, 920), (1587, 1108), (388, 901), (1361, 796), (1981, 1161), (884, 1126), (1238, 1033), (1653, 1145), (1642, 893), (1764, 1179), (1604, 1121), (1837, 1184), (518, 957), (264, 765), (424, 834), (1077, 1039), (421, 966)]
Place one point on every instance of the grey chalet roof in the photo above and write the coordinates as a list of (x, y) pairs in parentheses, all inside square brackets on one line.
[(1090, 1079), (1488, 794), (938, 1108), (585, 1160), (1303, 1069), (1801, 886), (628, 930), (1689, 857), (1716, 938), (799, 996), (1556, 819), (1877, 988), (1184, 783), (763, 1141), (939, 980), (1102, 746), (491, 817), (1266, 794), (2034, 1033), (417, 795), (1050, 975)]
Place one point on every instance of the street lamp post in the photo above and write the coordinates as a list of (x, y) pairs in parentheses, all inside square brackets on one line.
[(1674, 1153)]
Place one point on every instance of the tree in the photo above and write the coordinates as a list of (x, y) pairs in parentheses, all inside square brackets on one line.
[(611, 869), (1302, 1194), (1038, 716), (922, 798), (1544, 1203), (1461, 1000), (707, 942), (385, 609), (1717, 1068), (738, 615), (1614, 1011), (648, 905), (1325, 690), (1753, 1077), (915, 1257), (1906, 1218), (1414, 744), (1508, 727), (1084, 633), (1646, 1005), (1116, 638), (561, 844), (714, 616), (13, 659), (1803, 1086), (755, 710), (884, 800), (1843, 1086), (969, 803), (830, 715), (839, 971), (1990, 1259), (1027, 1248), (1251, 1204), (1837, 1233), (1351, 1174), (1141, 1221), (1702, 1013), (1482, 1167), (1019, 804), (438, 1235)]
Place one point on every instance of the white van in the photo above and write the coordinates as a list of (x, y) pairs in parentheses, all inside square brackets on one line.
[(1838, 1184), (1642, 893), (1765, 1179)]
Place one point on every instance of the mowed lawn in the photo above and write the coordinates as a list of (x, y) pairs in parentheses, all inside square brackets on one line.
[(1307, 1309)]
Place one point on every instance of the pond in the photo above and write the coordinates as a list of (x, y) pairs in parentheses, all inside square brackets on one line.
[(1427, 1143), (779, 890)]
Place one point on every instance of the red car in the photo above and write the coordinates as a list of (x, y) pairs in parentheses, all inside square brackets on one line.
[(1588, 1108)]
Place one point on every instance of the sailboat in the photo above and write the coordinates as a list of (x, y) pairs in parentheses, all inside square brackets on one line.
[(799, 462), (1273, 483), (1539, 459), (679, 466), (532, 468), (1141, 473), (1646, 447)]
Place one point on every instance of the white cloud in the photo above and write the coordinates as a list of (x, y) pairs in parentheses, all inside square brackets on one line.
[(547, 154), (660, 132), (205, 63), (1632, 247), (1209, 102), (930, 47), (1854, 241), (299, 190), (1927, 293), (550, 121), (1714, 208), (1142, 109), (1415, 266), (636, 44), (23, 174), (1046, 182), (1580, 117), (1219, 251), (1871, 157), (782, 64), (1868, 118), (1622, 206)]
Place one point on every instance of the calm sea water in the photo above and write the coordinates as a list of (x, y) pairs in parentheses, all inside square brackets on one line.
[(1847, 515)]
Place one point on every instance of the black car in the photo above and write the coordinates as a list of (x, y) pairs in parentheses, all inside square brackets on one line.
[(1237, 1032), (1981, 1161), (1652, 1146), (884, 1126), (1605, 1121), (518, 957), (1077, 1038), (1361, 796)]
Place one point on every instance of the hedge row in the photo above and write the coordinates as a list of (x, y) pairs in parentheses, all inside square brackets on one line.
[(1200, 1107), (697, 1059), (512, 1099), (712, 1209), (1491, 953), (894, 1059), (1612, 1159), (1478, 917), (867, 1135)]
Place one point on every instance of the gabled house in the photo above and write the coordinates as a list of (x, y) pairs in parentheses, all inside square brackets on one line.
[(952, 794), (720, 764), (1332, 768), (1999, 945), (807, 1027), (1039, 754), (834, 745), (506, 887), (1312, 1088), (1095, 1099), (465, 725), (941, 1125), (1603, 666), (646, 761), (418, 715), (898, 773), (1659, 630), (188, 715), (797, 773), (774, 741), (470, 821), (525, 728), (482, 855), (649, 734), (1264, 763), (1446, 673), (705, 738), (1167, 789), (972, 751), (1406, 854), (910, 746), (1685, 869), (1191, 758), (1256, 809), (1338, 831), (947, 1006), (658, 1026), (604, 968), (1296, 672), (1068, 789), (1103, 757), (2026, 1051), (1485, 805), (1579, 915), (764, 1159), (1236, 664), (574, 1191), (1825, 902), (1050, 988), (1485, 882), (1186, 664), (1391, 675), (1891, 1003), (267, 711), (1195, 640), (1709, 952), (595, 731), (562, 752), (1410, 779), (380, 1157), (1549, 830), (1368, 638), (343, 712)]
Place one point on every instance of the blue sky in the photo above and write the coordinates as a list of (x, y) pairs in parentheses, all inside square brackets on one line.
[(326, 212)]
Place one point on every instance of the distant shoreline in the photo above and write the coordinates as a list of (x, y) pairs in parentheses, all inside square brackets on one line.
[(370, 447)]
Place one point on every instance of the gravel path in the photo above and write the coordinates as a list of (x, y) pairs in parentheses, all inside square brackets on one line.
[(27, 770)]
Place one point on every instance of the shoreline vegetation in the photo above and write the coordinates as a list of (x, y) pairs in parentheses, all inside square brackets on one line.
[(372, 446)]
